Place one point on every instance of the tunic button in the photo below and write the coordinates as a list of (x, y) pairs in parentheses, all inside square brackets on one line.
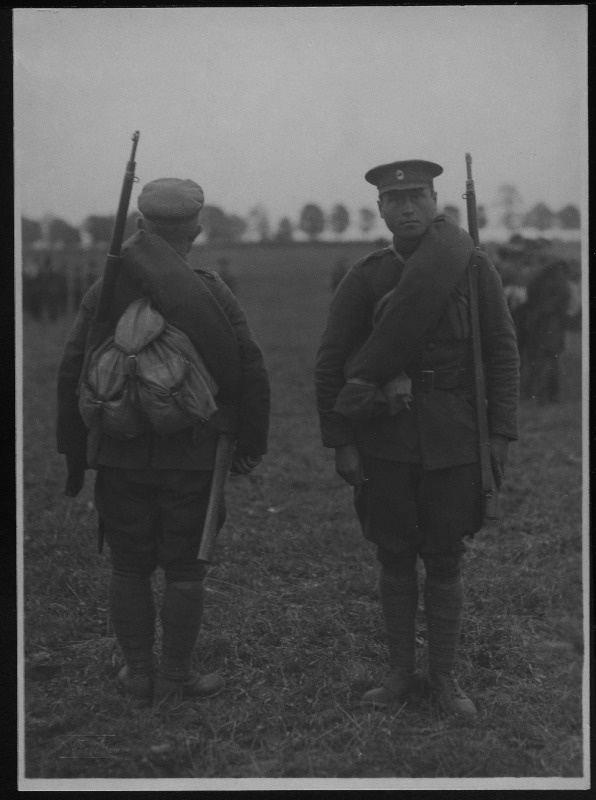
[(430, 346)]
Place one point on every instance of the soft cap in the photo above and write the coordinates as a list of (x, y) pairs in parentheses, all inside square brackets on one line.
[(171, 199)]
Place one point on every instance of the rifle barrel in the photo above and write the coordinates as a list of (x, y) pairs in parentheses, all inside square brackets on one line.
[(113, 257), (470, 197), (129, 177)]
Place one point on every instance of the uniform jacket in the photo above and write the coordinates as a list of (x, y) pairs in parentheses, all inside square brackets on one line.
[(193, 448), (439, 430)]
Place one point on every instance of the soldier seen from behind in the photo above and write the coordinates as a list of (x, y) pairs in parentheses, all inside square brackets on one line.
[(152, 489), (395, 388), (515, 295), (545, 322)]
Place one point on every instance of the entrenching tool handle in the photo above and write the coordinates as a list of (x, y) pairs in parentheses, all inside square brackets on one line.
[(223, 461)]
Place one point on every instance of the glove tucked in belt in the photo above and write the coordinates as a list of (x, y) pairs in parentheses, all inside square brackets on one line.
[(427, 380), (362, 400)]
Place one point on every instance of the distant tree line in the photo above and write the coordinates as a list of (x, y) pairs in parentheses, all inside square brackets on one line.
[(510, 215), (218, 226), (96, 229)]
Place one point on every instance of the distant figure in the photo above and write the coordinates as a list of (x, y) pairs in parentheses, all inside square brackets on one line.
[(225, 273), (77, 287), (516, 295), (45, 285), (91, 275), (545, 316), (574, 309), (339, 271), (56, 292), (63, 284), (32, 288)]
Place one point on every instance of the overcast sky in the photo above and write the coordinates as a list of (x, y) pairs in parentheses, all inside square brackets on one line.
[(283, 106)]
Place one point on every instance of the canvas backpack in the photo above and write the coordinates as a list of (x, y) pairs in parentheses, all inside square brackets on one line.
[(147, 376)]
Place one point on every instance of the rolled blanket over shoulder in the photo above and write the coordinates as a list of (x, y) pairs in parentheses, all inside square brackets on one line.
[(183, 299), (415, 305)]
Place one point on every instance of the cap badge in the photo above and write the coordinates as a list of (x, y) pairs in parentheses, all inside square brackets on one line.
[(399, 175)]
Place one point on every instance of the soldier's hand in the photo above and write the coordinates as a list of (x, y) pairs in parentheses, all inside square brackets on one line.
[(243, 465), (75, 478), (499, 447), (348, 464)]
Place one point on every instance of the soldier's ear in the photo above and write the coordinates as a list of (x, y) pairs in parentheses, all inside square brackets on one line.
[(379, 206), (197, 232), (141, 223)]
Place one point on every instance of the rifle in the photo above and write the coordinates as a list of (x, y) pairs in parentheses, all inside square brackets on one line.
[(223, 460), (113, 261), (489, 490), (113, 256)]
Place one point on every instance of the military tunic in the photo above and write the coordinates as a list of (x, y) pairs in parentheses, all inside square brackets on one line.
[(439, 430), (152, 491), (192, 449), (422, 464)]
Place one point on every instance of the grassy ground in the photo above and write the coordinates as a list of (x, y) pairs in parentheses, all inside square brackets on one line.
[(292, 619)]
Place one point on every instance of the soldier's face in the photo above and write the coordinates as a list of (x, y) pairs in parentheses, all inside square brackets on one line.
[(408, 213)]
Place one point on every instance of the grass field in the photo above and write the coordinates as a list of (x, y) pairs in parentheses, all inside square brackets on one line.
[(292, 619)]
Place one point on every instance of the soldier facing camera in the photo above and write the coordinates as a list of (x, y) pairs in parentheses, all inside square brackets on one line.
[(395, 384)]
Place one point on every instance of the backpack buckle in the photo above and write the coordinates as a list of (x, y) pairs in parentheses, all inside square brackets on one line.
[(427, 380), (131, 365)]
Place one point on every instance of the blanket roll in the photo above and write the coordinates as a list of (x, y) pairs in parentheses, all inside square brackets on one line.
[(415, 305), (186, 302)]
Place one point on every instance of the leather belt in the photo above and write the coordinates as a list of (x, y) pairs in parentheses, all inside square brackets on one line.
[(427, 380)]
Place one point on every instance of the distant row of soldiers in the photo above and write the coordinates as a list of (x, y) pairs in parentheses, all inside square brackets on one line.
[(52, 291), (544, 297)]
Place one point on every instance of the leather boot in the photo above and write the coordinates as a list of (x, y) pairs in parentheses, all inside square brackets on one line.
[(181, 615), (133, 617), (443, 605), (136, 685), (197, 687), (399, 601)]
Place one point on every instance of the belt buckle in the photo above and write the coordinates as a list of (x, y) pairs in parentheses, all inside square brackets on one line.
[(427, 380)]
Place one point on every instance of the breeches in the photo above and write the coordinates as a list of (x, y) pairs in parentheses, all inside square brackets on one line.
[(154, 518), (407, 510)]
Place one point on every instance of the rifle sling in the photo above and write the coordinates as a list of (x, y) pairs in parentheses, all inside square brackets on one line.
[(483, 438)]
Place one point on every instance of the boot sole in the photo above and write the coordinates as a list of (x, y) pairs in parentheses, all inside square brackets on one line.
[(179, 696)]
